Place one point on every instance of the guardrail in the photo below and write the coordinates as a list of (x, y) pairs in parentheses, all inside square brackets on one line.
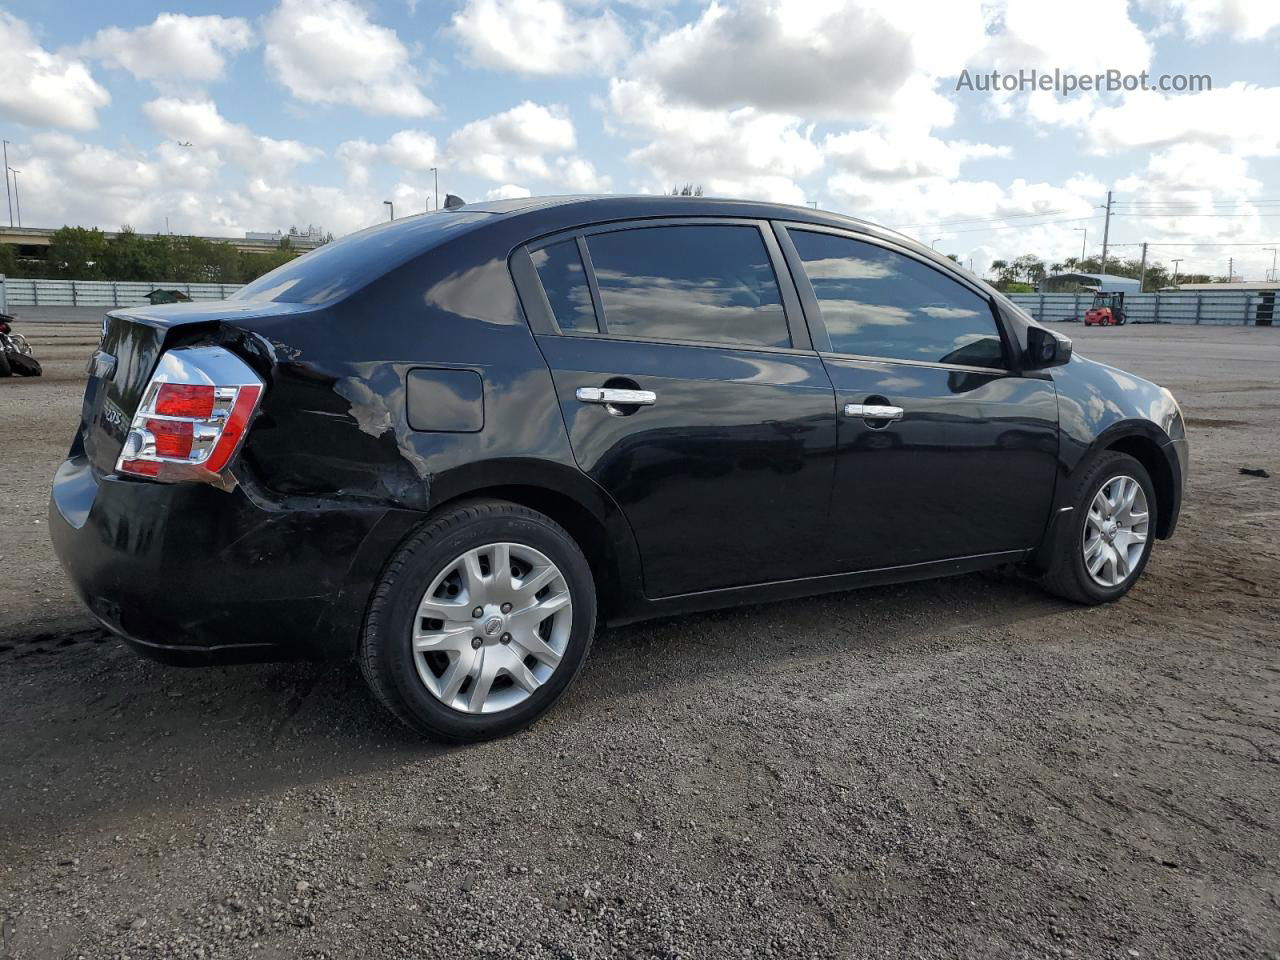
[(18, 292), (1229, 307)]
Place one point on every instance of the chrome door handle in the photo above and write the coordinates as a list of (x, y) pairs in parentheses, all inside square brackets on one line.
[(873, 411), (616, 395)]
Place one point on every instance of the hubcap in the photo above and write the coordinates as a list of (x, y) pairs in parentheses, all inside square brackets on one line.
[(1115, 531), (492, 628)]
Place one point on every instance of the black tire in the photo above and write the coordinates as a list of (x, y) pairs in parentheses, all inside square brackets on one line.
[(1067, 575), (23, 365), (386, 655), (5, 368)]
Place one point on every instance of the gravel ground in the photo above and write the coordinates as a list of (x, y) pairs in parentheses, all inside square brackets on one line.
[(963, 768)]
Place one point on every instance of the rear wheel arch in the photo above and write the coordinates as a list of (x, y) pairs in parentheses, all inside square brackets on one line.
[(588, 530)]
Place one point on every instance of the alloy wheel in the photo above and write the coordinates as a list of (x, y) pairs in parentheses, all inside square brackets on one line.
[(492, 628), (1115, 531)]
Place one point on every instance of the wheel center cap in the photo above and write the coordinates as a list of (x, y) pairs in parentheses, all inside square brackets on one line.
[(1109, 530), (493, 626)]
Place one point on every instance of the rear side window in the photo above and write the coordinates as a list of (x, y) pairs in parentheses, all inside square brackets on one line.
[(340, 268), (877, 303), (711, 283), (560, 269)]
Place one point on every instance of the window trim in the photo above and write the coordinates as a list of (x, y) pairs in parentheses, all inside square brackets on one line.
[(813, 309), (792, 309)]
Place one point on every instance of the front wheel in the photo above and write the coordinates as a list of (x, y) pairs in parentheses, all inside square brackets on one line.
[(1108, 536), (480, 622)]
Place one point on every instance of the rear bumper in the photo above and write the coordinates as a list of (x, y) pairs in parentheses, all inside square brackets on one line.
[(191, 575)]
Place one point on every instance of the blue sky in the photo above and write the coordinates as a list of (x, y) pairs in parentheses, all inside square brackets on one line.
[(315, 112)]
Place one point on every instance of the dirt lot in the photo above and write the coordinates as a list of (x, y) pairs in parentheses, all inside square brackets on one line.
[(951, 769)]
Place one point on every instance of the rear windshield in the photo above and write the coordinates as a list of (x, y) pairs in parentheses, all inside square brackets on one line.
[(336, 269)]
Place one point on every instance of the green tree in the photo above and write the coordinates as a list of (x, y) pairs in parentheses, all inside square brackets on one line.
[(76, 253), (8, 261), (131, 257)]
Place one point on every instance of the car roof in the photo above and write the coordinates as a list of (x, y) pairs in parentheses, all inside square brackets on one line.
[(545, 215)]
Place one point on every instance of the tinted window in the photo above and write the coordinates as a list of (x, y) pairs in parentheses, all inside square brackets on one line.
[(711, 283), (560, 269), (877, 303)]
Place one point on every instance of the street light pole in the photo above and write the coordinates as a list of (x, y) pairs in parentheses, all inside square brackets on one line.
[(6, 181), (1106, 233), (1175, 271), (392, 207), (934, 245), (1273, 276), (436, 173), (1084, 242), (17, 199)]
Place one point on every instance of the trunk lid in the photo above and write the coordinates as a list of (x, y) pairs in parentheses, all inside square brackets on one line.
[(132, 340)]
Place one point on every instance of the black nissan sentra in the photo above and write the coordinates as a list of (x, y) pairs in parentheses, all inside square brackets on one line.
[(452, 445)]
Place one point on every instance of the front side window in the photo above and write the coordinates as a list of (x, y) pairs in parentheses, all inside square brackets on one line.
[(878, 303), (560, 269), (713, 283)]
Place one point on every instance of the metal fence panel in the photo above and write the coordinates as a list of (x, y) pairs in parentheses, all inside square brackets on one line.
[(18, 292), (1205, 307)]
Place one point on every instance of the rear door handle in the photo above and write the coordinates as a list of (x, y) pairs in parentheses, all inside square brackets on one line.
[(873, 411), (616, 396)]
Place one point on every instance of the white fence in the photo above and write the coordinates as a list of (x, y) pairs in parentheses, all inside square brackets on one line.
[(1231, 307), (16, 292)]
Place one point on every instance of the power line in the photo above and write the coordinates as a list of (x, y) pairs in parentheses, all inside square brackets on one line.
[(1022, 226)]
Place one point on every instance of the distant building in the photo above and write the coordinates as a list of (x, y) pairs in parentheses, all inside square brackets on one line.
[(1094, 282), (1247, 286)]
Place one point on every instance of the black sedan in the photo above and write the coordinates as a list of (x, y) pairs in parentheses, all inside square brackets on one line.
[(451, 445)]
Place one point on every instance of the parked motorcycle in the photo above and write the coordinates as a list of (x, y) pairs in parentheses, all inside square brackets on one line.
[(15, 352)]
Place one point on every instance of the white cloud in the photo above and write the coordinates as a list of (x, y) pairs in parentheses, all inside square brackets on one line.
[(513, 144), (538, 36), (579, 176), (508, 191), (743, 152), (198, 122), (903, 153), (1096, 36), (174, 46), (1233, 117), (409, 150), (43, 89), (65, 180), (328, 51), (1242, 19), (833, 59)]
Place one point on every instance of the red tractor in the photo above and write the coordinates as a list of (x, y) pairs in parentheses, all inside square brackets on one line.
[(1107, 310)]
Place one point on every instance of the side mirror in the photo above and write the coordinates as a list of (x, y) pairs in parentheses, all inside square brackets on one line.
[(1046, 348)]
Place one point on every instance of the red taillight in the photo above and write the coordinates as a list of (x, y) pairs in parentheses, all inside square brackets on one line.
[(193, 417), (173, 438), (233, 430), (185, 400)]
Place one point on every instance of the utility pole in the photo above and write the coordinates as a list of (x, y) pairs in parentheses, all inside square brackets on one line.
[(1106, 233), (1084, 242), (392, 208), (1142, 273), (17, 199), (1175, 272), (436, 173), (1231, 267), (6, 181), (1272, 276)]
